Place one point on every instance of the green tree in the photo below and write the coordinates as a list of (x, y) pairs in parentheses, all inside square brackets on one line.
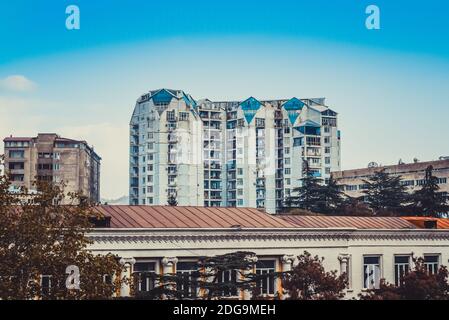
[(427, 201), (418, 284), (385, 194), (309, 281), (308, 195), (330, 198), (39, 239)]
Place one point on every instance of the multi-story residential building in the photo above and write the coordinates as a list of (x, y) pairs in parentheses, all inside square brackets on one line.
[(49, 157), (229, 153), (353, 181)]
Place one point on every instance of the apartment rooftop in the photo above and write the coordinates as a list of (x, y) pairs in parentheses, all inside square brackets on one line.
[(392, 169)]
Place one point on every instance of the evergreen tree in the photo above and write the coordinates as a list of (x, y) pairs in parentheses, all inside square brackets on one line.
[(385, 194), (307, 196), (330, 198), (427, 201)]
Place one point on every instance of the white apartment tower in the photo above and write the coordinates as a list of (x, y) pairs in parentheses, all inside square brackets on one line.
[(234, 153)]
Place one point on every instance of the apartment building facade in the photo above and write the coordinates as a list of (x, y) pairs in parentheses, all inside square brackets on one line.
[(413, 174), (229, 153), (49, 157)]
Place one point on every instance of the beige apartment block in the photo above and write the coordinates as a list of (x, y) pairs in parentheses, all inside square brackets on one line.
[(49, 157), (412, 175)]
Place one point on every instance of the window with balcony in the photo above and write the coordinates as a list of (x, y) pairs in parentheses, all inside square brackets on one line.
[(144, 272), (266, 268), (171, 116)]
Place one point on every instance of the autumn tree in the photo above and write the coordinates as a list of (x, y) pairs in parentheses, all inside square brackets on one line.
[(418, 284), (40, 238), (385, 194), (308, 280), (428, 201)]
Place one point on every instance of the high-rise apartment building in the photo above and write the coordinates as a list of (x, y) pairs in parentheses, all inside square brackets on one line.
[(231, 153), (49, 157)]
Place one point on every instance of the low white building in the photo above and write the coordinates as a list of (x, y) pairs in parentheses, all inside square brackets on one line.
[(166, 239)]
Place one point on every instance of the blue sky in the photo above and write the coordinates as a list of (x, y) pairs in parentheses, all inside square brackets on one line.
[(390, 86)]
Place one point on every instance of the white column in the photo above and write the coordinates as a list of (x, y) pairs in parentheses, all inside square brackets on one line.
[(247, 293), (287, 264), (125, 288), (344, 266), (168, 263)]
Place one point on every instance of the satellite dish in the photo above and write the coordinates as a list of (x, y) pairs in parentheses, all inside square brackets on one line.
[(373, 165)]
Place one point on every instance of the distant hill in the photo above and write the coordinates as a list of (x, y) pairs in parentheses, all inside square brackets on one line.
[(121, 200)]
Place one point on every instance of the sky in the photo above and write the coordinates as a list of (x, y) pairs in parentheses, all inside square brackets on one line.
[(390, 86)]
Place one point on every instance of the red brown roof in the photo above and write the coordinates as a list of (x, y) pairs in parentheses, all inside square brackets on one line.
[(441, 223), (125, 216), (348, 222)]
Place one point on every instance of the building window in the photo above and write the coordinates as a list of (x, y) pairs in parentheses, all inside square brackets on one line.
[(171, 116), (326, 129), (144, 275), (287, 161), (351, 187), (401, 268), (240, 171), (266, 285), (227, 277), (327, 160), (187, 272), (240, 202), (240, 192), (17, 154), (327, 150), (150, 189), (287, 181), (327, 140), (260, 122), (431, 263), (371, 272), (150, 167), (327, 170), (287, 150), (183, 116), (150, 146), (287, 171), (150, 179), (441, 180)]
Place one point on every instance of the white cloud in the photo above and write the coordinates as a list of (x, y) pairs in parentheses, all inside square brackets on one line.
[(17, 83)]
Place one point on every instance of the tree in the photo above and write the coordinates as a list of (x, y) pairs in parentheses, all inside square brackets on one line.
[(308, 194), (39, 239), (330, 199), (172, 200), (418, 284), (214, 277), (427, 201), (309, 281), (355, 207), (385, 194)]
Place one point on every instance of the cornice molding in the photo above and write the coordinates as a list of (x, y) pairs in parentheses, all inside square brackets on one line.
[(299, 235)]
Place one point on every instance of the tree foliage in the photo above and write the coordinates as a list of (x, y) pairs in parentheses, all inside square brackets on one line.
[(41, 238), (314, 196), (172, 201), (427, 201), (385, 194), (418, 284), (309, 281)]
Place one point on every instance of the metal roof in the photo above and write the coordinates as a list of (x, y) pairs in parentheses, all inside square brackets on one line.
[(348, 222), (442, 223), (126, 216)]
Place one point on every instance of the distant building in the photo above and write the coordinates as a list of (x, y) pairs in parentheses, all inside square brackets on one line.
[(230, 153), (49, 157), (412, 174)]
